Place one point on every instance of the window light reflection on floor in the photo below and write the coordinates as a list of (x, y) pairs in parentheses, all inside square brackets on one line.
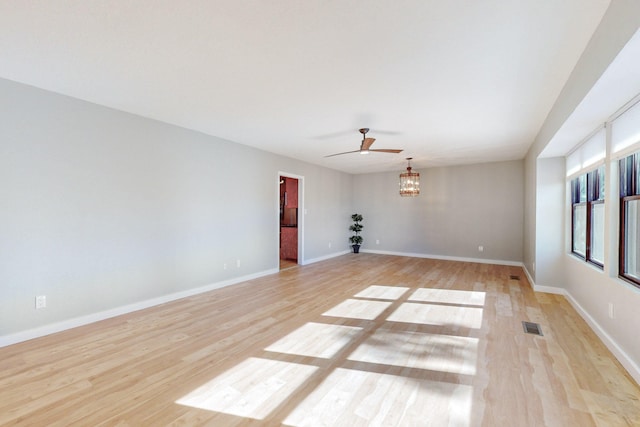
[(448, 296), (382, 292), (358, 309), (251, 389), (433, 352), (316, 340), (352, 397), (346, 396), (440, 315)]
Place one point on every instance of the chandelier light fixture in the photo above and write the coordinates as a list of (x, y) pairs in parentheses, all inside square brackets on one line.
[(409, 182)]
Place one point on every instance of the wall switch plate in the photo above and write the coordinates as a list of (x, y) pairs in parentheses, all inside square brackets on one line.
[(480, 248), (238, 263), (377, 241), (41, 301)]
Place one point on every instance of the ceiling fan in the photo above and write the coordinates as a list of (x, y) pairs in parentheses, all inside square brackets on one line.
[(365, 146)]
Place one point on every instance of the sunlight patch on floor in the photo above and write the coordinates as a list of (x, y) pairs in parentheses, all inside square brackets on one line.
[(251, 389), (448, 296), (316, 340), (440, 315), (441, 353), (358, 309), (382, 292), (359, 394), (351, 397)]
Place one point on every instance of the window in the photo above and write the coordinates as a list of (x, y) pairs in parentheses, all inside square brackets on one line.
[(630, 218), (587, 216), (596, 216), (585, 169), (579, 216)]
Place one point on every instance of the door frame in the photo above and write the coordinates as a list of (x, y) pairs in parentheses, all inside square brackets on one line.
[(301, 214)]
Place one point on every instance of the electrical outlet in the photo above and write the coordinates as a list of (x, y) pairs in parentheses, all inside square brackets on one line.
[(41, 301), (377, 241), (238, 263), (480, 248), (329, 245), (224, 266)]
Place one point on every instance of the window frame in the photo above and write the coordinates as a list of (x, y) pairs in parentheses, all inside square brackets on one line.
[(629, 168), (577, 201), (590, 258)]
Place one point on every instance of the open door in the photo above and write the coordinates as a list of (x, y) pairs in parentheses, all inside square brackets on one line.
[(289, 203)]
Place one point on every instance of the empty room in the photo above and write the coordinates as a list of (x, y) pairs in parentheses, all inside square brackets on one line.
[(320, 213)]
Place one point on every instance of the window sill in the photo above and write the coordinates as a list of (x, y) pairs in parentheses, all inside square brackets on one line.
[(628, 281), (583, 261)]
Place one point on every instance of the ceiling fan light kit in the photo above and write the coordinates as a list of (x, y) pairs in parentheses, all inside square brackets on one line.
[(409, 182)]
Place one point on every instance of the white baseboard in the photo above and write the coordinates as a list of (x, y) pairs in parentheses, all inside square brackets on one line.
[(324, 257), (540, 288), (529, 278), (96, 317), (550, 290), (445, 258), (624, 359)]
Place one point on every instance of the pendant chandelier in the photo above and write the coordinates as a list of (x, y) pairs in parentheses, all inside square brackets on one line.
[(409, 182)]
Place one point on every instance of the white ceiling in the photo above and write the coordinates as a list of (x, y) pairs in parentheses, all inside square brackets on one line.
[(449, 81)]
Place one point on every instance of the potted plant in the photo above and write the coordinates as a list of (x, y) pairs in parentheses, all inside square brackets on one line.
[(356, 227)]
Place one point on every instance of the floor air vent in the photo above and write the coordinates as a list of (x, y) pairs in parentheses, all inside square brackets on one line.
[(532, 328), (514, 277)]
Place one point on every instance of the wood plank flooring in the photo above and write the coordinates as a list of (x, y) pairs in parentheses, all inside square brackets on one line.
[(359, 340), (287, 263)]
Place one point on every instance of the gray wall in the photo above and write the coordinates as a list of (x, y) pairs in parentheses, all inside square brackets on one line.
[(459, 209), (102, 209)]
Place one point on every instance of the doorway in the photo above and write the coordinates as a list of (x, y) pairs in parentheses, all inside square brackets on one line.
[(289, 220)]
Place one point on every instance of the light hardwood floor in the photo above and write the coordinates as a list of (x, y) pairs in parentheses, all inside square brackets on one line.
[(287, 263), (357, 340)]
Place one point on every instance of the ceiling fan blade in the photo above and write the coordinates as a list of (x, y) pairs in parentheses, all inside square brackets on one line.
[(365, 146), (386, 150), (346, 152), (368, 142)]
